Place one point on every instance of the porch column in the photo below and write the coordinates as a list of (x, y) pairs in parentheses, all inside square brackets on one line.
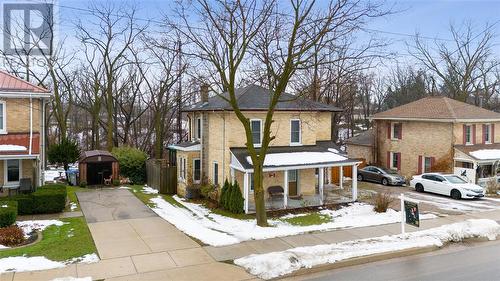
[(341, 177), (321, 178), (245, 190), (285, 188), (354, 182), (232, 175)]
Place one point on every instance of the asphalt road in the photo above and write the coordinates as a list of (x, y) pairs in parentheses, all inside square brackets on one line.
[(479, 262)]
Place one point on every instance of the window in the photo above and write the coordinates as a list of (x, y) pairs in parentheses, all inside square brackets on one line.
[(256, 126), (396, 130), (13, 170), (3, 117), (216, 173), (251, 182), (295, 132), (468, 134), (394, 160), (198, 128), (182, 168), (196, 170), (427, 164), (487, 133)]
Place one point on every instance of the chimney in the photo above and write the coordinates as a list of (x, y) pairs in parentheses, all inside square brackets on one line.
[(204, 93)]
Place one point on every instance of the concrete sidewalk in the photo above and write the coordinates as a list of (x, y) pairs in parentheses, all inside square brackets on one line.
[(232, 252)]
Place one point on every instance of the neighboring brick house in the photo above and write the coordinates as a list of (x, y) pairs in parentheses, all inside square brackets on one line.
[(298, 161), (437, 134), (22, 137)]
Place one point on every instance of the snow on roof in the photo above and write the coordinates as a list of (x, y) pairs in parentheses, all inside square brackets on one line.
[(12, 147), (195, 147), (299, 158), (486, 154)]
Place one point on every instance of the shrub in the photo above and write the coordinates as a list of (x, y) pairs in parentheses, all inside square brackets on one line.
[(207, 189), (492, 187), (8, 213), (49, 199), (116, 182), (65, 152), (223, 194), (24, 203), (83, 184), (236, 200), (381, 201), (11, 236), (132, 163)]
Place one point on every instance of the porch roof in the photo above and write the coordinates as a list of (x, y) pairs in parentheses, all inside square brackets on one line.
[(481, 152), (186, 146), (292, 157)]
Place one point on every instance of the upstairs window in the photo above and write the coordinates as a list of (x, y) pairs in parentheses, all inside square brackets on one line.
[(198, 128), (256, 126), (468, 134), (396, 131), (487, 133), (3, 117), (295, 132)]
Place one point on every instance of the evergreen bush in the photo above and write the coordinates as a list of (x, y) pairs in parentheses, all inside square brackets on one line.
[(132, 163)]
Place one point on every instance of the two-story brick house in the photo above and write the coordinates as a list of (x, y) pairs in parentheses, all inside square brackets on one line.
[(22, 138), (434, 134), (299, 157)]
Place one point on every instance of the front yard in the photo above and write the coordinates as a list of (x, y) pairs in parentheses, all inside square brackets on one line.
[(217, 227)]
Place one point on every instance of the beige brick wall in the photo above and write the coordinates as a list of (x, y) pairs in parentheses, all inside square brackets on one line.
[(360, 151), (430, 139), (189, 156), (458, 132), (18, 115)]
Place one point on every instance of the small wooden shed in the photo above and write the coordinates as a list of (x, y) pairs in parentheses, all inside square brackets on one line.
[(97, 165)]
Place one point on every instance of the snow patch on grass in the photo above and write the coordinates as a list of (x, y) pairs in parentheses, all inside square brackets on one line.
[(149, 190), (22, 263), (276, 264), (37, 225), (217, 230)]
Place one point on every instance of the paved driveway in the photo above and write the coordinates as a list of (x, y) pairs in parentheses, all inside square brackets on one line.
[(112, 204)]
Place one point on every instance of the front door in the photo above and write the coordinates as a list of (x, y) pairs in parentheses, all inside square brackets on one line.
[(293, 182)]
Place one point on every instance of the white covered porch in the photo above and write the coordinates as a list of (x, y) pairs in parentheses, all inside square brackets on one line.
[(295, 179), (478, 164)]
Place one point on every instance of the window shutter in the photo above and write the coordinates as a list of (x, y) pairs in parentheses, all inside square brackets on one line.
[(492, 133), (399, 160), (389, 130), (484, 133), (474, 134), (464, 134), (419, 164), (433, 160), (388, 159), (400, 131)]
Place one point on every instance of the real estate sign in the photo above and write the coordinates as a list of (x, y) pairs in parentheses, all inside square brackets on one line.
[(411, 213)]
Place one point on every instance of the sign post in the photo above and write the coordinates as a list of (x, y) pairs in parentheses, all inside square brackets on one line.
[(409, 213)]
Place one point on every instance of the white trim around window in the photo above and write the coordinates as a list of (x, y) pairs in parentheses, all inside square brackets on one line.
[(468, 134), (260, 133), (393, 131), (299, 142), (3, 129), (5, 172), (194, 170), (199, 127), (488, 139)]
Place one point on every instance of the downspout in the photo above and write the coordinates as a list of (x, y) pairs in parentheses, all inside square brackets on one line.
[(31, 125), (223, 146), (42, 146)]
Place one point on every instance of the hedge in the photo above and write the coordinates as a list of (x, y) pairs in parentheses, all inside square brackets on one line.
[(8, 213), (47, 199), (132, 163)]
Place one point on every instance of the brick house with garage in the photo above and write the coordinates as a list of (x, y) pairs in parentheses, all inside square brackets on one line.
[(434, 134), (298, 161), (22, 137)]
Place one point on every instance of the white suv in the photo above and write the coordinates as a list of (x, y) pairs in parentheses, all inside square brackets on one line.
[(449, 185)]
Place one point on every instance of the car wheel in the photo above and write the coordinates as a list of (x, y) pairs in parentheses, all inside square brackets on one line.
[(419, 187), (360, 177), (455, 194), (385, 181)]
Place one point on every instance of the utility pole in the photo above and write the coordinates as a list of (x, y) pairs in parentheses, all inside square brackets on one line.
[(179, 91)]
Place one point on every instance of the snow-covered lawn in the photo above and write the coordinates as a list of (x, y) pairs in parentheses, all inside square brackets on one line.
[(444, 203), (19, 264), (217, 230), (275, 264)]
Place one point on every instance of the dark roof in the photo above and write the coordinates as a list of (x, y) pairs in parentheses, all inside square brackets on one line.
[(96, 156), (365, 138), (241, 153), (256, 98), (438, 108)]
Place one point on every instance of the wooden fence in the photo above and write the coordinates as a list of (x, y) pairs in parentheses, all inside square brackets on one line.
[(161, 175)]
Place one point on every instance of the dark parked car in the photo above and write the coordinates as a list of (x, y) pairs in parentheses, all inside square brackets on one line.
[(380, 175)]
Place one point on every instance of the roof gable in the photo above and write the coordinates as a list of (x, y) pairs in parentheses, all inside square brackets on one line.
[(11, 83), (257, 98), (438, 108)]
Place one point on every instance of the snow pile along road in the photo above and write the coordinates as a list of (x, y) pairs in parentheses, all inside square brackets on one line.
[(275, 264)]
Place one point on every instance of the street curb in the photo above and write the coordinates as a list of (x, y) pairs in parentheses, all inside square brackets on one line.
[(360, 260)]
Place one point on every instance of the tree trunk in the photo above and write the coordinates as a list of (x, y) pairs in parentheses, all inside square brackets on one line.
[(258, 193)]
